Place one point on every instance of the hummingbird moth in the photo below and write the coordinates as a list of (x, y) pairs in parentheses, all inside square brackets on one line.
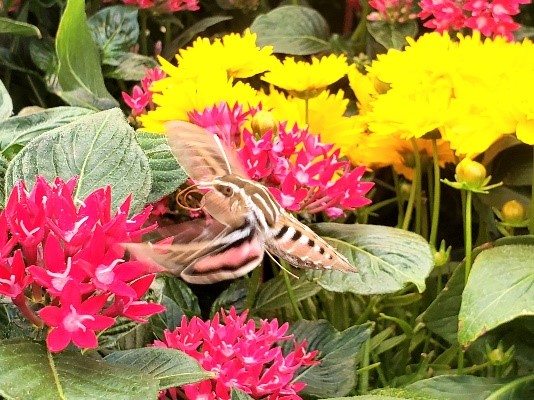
[(246, 220)]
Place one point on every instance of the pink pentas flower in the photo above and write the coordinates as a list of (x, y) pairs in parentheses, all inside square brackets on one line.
[(223, 120), (165, 6), (74, 260), (75, 320), (491, 18), (241, 355), (140, 100), (391, 11)]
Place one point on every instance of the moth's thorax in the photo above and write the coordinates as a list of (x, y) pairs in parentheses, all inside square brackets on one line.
[(250, 199)]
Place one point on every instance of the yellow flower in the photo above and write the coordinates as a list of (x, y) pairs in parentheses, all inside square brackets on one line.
[(307, 80), (325, 115), (237, 54), (176, 100)]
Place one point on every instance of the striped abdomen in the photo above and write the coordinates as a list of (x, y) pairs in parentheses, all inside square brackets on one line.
[(303, 248)]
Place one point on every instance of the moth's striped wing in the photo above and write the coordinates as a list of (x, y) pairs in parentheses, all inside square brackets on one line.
[(301, 247), (200, 153), (204, 252)]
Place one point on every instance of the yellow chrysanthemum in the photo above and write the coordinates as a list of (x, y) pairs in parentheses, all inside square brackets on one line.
[(325, 114), (237, 54), (471, 91), (175, 101), (307, 80)]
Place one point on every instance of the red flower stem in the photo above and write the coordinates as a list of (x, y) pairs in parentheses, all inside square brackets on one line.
[(20, 302), (37, 293)]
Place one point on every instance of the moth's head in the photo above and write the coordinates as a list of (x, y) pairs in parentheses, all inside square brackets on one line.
[(225, 202)]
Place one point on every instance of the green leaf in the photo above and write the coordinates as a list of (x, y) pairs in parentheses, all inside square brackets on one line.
[(6, 104), (43, 55), (335, 374), (386, 258), (19, 28), (100, 148), (441, 317), (186, 36), (115, 30), (167, 175), (3, 168), (80, 75), (122, 328), (178, 291), (292, 30), (475, 388), (18, 131), (239, 395), (392, 36), (170, 366), (27, 369), (131, 67), (233, 296), (273, 293), (500, 288)]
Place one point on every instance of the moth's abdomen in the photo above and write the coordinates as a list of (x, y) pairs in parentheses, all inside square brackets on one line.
[(303, 248)]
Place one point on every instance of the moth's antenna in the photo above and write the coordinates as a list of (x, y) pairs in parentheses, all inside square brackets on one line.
[(221, 148), (280, 265)]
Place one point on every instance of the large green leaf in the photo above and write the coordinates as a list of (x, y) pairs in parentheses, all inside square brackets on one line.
[(273, 293), (43, 55), (475, 388), (234, 295), (178, 291), (500, 288), (187, 35), (441, 317), (292, 30), (392, 36), (80, 75), (100, 148), (14, 27), (167, 175), (171, 367), (131, 67), (335, 374), (18, 131), (6, 104), (386, 258), (115, 30), (28, 371)]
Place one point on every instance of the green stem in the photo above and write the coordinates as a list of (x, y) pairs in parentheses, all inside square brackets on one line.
[(460, 369), (167, 39), (143, 46), (361, 29), (290, 292), (417, 181), (55, 374), (363, 383), (307, 109), (400, 198), (531, 211), (437, 196), (468, 234)]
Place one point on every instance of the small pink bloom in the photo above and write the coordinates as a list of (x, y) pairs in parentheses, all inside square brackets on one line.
[(13, 278), (75, 321)]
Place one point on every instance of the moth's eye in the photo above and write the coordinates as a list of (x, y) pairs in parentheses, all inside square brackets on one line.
[(226, 190)]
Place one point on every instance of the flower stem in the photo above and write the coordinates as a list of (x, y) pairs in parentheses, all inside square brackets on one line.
[(436, 197), (290, 292), (363, 383), (468, 234), (307, 110), (531, 210), (143, 47), (20, 302), (253, 284), (417, 181)]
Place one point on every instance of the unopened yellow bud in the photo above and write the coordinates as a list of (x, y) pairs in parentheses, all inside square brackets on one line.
[(470, 172), (513, 212), (263, 122)]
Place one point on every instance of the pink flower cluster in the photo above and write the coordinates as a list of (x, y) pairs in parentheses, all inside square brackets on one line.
[(70, 259), (491, 18), (301, 172), (141, 96), (391, 11), (242, 356), (164, 6)]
